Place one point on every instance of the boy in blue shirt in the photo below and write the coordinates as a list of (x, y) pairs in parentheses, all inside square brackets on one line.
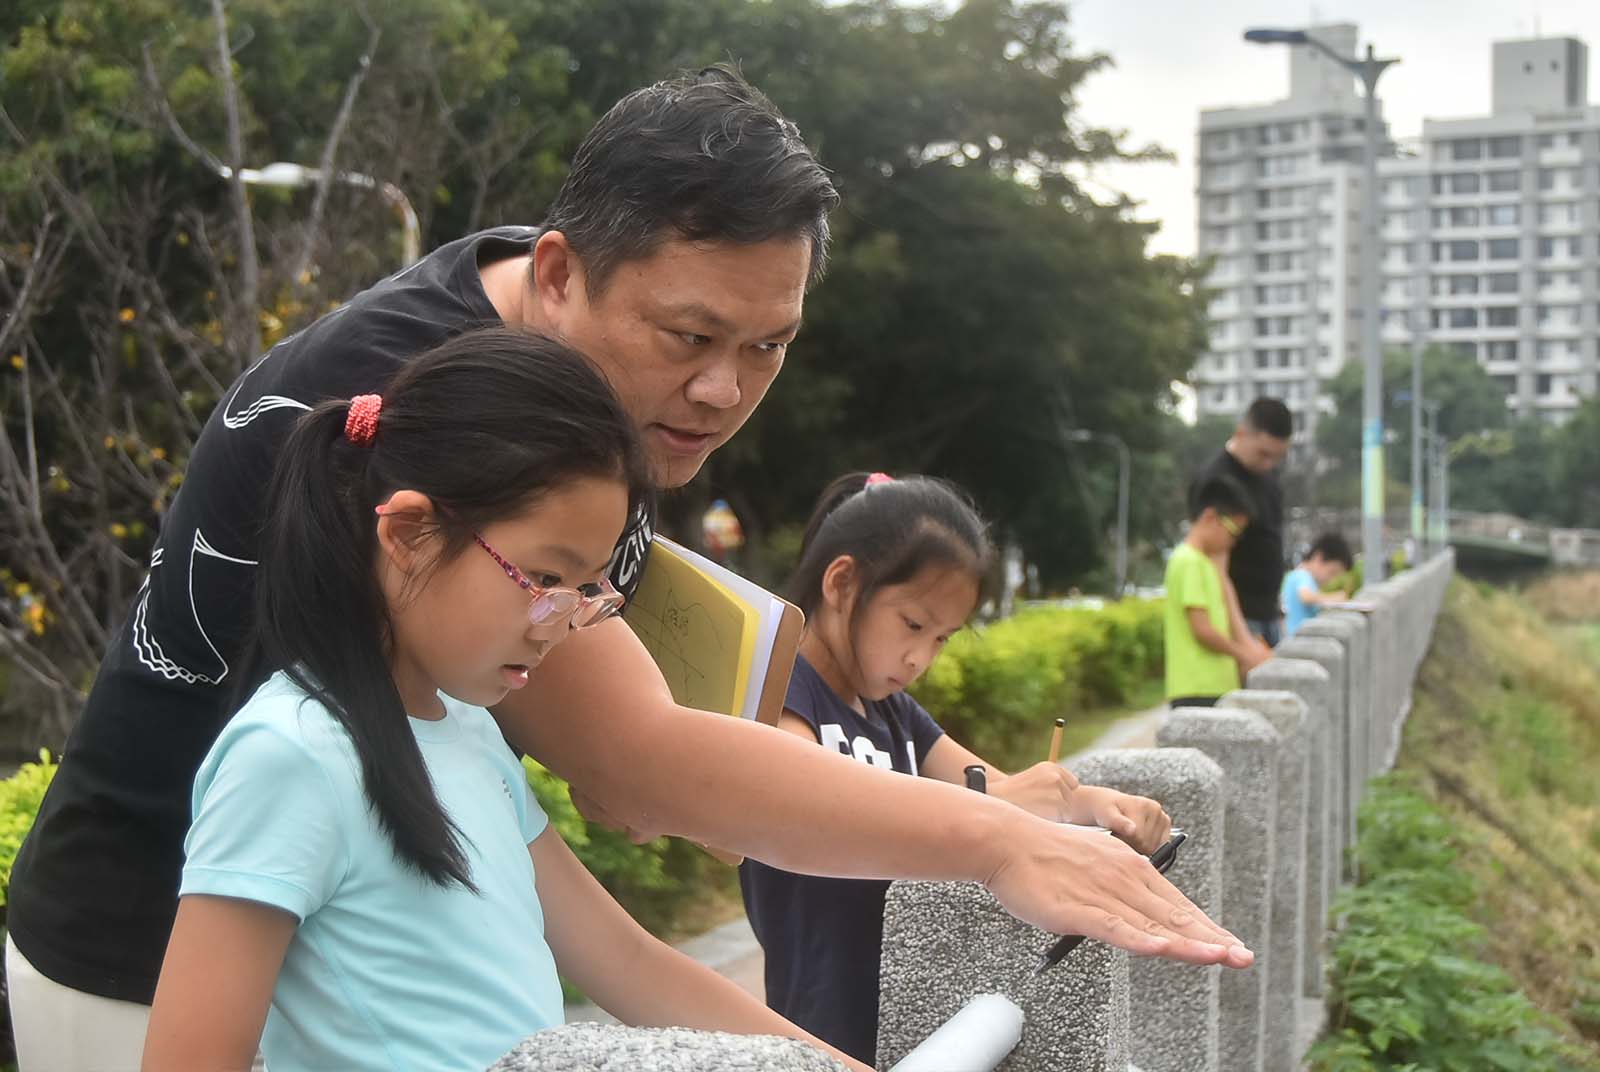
[(1302, 595)]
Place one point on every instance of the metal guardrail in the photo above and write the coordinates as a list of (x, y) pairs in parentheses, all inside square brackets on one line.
[(1563, 547)]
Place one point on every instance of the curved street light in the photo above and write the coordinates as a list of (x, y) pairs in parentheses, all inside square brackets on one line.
[(1368, 71), (287, 175)]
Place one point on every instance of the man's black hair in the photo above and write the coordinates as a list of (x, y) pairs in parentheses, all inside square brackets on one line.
[(703, 157), (1225, 495), (1332, 547), (1271, 416)]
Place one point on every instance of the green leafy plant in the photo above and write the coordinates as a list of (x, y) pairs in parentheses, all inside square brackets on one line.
[(1409, 990)]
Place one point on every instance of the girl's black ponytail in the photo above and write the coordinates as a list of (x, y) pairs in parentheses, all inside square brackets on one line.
[(483, 425)]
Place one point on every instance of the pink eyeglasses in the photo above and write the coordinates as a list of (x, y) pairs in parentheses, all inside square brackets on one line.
[(589, 605)]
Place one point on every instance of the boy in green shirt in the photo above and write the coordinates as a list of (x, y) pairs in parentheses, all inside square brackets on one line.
[(1204, 659)]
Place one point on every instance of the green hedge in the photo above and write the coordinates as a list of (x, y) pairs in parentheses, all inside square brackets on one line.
[(20, 796), (1003, 680)]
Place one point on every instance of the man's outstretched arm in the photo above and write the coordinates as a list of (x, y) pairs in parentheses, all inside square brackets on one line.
[(599, 714)]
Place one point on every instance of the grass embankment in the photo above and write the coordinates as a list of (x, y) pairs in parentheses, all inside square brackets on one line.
[(1474, 941)]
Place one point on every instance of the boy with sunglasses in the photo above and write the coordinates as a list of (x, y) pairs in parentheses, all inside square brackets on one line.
[(1204, 660)]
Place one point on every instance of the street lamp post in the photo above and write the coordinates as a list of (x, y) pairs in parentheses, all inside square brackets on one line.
[(293, 176), (1417, 534), (1437, 522), (1368, 71), (1124, 478)]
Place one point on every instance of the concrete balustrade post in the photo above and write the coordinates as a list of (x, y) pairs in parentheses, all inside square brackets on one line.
[(1246, 747), (944, 943), (1311, 683), (1174, 1006), (1288, 714), (1329, 654)]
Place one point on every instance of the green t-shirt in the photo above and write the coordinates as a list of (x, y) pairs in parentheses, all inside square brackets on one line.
[(1192, 668)]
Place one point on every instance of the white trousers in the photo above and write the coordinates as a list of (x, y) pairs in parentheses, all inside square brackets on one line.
[(59, 1029)]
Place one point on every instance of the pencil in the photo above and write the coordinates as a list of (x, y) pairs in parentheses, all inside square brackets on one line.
[(1055, 740)]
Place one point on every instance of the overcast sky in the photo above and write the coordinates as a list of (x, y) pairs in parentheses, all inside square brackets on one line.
[(1175, 57)]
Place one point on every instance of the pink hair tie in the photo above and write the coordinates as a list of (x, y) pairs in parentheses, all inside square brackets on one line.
[(878, 478), (361, 423)]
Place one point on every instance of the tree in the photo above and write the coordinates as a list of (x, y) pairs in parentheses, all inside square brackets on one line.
[(979, 299), (1505, 470), (1470, 403), (1575, 495)]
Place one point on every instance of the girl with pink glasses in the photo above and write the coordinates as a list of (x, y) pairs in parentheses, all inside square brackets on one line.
[(368, 882)]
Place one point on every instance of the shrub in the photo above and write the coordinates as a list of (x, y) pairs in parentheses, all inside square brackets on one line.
[(650, 880), (1409, 989), (1001, 680), (20, 796)]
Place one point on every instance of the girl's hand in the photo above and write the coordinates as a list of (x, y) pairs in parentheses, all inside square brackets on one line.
[(1044, 789), (1139, 821)]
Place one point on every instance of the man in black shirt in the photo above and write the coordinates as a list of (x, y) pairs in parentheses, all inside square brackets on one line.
[(676, 256), (1251, 457)]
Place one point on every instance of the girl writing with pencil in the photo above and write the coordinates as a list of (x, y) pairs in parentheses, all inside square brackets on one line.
[(369, 883), (889, 570)]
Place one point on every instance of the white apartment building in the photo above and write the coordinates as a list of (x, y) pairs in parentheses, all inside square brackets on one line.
[(1490, 229)]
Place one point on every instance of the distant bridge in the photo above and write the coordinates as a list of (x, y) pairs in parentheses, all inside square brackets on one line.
[(1493, 539)]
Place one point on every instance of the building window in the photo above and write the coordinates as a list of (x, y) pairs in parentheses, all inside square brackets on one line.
[(1558, 178), (1464, 216), (1544, 383), (1455, 318), (1506, 147), (1501, 316), (1501, 282), (1559, 248), (1504, 182), (1460, 250), (1269, 166), (1503, 215), (1463, 182), (1454, 284), (1466, 149), (1559, 214), (1400, 253), (1503, 249), (1502, 350)]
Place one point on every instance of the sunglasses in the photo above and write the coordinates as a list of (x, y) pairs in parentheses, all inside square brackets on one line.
[(587, 605)]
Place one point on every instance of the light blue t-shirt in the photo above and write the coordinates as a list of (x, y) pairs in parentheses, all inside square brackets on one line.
[(386, 970), (1297, 611)]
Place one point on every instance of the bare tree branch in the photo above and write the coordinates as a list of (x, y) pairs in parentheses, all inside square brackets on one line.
[(243, 334), (330, 148), (164, 106)]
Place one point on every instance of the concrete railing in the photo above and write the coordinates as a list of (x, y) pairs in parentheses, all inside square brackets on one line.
[(1267, 785)]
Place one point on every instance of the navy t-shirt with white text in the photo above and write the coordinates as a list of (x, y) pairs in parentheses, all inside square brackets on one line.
[(821, 935)]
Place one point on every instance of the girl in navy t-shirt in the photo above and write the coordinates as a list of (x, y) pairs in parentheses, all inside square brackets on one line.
[(889, 570)]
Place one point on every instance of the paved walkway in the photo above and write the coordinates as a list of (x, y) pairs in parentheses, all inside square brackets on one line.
[(731, 949)]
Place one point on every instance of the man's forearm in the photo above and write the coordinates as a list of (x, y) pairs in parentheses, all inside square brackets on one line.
[(599, 715)]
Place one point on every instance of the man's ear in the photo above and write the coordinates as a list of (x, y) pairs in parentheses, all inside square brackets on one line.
[(406, 523), (559, 281)]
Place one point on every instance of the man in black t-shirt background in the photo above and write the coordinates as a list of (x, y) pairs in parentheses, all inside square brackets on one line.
[(1251, 457)]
